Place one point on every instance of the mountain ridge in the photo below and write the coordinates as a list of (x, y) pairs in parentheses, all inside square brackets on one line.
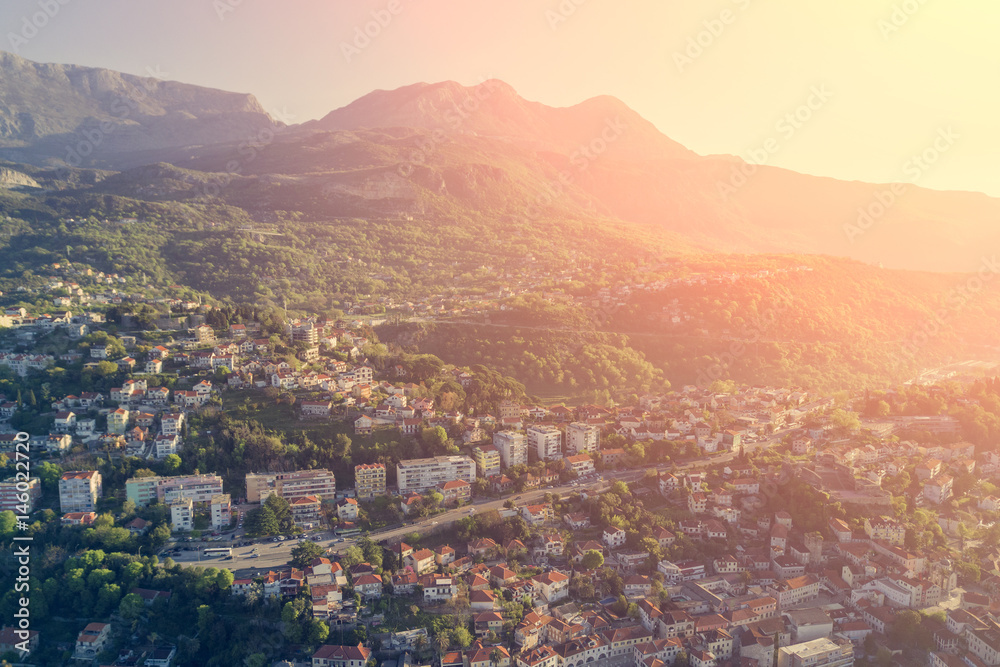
[(52, 111), (446, 149)]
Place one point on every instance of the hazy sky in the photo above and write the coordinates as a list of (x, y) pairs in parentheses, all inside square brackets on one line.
[(885, 78)]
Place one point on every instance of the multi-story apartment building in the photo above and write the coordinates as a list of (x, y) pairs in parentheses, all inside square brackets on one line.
[(416, 475), (10, 497), (118, 421), (182, 514), (165, 445), (369, 480), (581, 464), (984, 642), (546, 441), (938, 489), (79, 491), (221, 507), (582, 438), (487, 458), (171, 423), (885, 528), (199, 488), (319, 482), (512, 448), (821, 652), (305, 510)]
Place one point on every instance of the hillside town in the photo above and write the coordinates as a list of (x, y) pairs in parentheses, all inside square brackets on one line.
[(770, 533)]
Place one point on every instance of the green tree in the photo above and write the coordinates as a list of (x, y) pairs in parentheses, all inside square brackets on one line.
[(305, 552), (352, 556), (461, 637), (131, 607), (435, 439), (171, 464), (592, 560), (8, 523)]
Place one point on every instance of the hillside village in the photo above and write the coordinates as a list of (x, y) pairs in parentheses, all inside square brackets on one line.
[(735, 527)]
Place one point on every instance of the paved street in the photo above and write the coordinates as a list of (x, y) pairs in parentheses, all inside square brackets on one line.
[(274, 555)]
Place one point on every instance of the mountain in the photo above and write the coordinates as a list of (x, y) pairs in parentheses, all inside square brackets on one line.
[(634, 172), (444, 150), (494, 110), (90, 116)]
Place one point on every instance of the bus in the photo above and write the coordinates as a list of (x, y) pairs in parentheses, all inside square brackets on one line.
[(218, 551)]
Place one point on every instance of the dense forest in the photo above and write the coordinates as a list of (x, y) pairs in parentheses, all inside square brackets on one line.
[(582, 309)]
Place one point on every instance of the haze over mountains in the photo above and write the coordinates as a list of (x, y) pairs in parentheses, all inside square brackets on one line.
[(435, 149)]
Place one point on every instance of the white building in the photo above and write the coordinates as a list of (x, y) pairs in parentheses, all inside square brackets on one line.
[(182, 514), (221, 507), (822, 652), (165, 445), (79, 491), (582, 437), (513, 450), (417, 475), (546, 441)]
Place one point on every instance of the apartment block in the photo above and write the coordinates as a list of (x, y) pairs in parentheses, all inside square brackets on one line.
[(417, 475), (182, 514), (79, 491), (369, 480), (546, 441), (199, 488), (487, 458), (305, 511), (319, 482), (512, 448), (817, 653), (582, 438), (222, 511)]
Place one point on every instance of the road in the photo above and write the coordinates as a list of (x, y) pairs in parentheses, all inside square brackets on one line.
[(273, 555)]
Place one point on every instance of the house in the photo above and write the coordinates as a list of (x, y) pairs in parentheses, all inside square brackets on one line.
[(65, 421), (316, 408), (455, 490), (501, 576), (938, 489), (576, 521), (482, 547), (637, 585), (347, 509), (487, 622), (422, 561), (439, 588), (537, 514), (369, 586), (92, 641), (341, 656), (137, 526), (404, 583), (614, 537), (663, 536), (483, 600), (22, 641), (363, 425)]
